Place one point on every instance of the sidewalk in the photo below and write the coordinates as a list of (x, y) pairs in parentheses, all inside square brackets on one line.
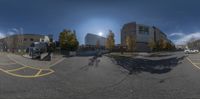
[(36, 63)]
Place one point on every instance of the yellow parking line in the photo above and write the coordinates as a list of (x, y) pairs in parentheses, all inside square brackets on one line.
[(193, 63), (27, 76), (51, 71), (7, 63), (38, 72), (12, 70)]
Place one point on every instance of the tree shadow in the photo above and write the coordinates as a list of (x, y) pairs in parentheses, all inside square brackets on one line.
[(157, 55), (93, 62), (138, 65)]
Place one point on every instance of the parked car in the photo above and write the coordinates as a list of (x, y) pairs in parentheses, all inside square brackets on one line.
[(191, 51), (36, 49)]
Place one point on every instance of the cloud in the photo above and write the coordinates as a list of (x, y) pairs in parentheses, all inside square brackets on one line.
[(186, 38), (10, 33), (177, 34), (15, 30), (2, 35)]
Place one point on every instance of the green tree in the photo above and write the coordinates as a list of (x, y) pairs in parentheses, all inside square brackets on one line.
[(161, 44), (110, 42), (68, 40), (164, 45), (152, 44)]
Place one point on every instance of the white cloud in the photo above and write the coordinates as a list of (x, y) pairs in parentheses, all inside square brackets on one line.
[(15, 30), (177, 34), (2, 35), (184, 39), (10, 33)]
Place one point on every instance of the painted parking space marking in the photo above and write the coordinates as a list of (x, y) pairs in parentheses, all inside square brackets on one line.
[(22, 68), (193, 63), (18, 69), (194, 60), (12, 70), (7, 63), (38, 74)]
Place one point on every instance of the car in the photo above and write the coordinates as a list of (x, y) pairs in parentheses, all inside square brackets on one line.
[(36, 49), (191, 51)]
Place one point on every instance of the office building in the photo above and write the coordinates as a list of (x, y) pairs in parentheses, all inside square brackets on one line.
[(142, 34), (92, 39)]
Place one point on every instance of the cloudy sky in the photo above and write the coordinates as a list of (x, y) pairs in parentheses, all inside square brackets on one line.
[(179, 19)]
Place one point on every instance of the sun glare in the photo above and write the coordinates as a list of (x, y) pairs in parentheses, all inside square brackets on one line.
[(100, 34)]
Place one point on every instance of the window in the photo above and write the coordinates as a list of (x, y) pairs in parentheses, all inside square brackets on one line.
[(144, 30)]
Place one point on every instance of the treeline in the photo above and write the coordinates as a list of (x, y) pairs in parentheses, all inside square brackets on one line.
[(160, 45)]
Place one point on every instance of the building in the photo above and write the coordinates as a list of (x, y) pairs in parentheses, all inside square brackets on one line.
[(93, 39), (194, 44), (142, 34), (181, 47), (21, 41)]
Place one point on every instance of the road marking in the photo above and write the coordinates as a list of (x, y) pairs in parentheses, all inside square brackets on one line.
[(7, 63), (195, 59), (57, 62), (38, 72), (196, 63), (12, 70), (28, 76), (193, 63), (23, 64)]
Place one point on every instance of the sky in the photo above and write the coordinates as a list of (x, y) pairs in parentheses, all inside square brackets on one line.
[(179, 19)]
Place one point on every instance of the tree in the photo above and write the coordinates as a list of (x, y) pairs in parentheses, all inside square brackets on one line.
[(97, 44), (161, 44), (152, 44), (63, 39), (164, 45), (130, 42), (110, 42), (68, 40)]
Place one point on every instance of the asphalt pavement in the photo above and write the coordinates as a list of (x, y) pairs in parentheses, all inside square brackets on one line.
[(168, 76)]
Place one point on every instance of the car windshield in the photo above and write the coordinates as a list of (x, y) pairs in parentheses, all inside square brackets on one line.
[(99, 49)]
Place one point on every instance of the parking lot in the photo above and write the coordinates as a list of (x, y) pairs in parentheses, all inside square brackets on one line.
[(12, 65), (194, 59), (73, 78)]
